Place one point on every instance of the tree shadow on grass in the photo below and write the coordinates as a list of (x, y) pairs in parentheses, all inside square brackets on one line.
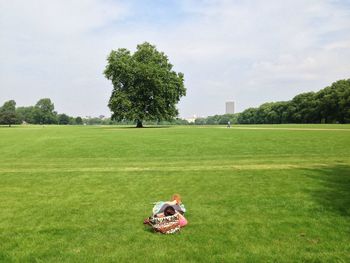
[(135, 128), (334, 193)]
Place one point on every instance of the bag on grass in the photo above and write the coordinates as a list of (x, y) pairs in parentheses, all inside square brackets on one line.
[(166, 225)]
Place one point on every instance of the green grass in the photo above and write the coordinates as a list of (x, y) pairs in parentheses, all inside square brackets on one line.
[(79, 194)]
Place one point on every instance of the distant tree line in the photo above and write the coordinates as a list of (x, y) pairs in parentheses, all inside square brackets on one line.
[(42, 113), (329, 105), (217, 119)]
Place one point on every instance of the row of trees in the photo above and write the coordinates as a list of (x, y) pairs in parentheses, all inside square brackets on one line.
[(42, 113), (217, 119), (146, 88), (329, 105)]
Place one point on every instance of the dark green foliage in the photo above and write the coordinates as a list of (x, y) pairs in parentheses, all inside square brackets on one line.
[(44, 112), (78, 121), (329, 105), (335, 102), (305, 108), (8, 113), (25, 114), (179, 121), (63, 119), (217, 119), (71, 120), (145, 87), (95, 121), (248, 116), (200, 121)]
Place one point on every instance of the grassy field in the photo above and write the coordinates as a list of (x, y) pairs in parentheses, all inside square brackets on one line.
[(269, 193)]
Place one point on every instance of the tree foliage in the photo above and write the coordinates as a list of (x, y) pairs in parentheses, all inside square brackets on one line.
[(78, 121), (63, 119), (8, 113), (145, 86), (25, 114), (44, 112), (329, 105)]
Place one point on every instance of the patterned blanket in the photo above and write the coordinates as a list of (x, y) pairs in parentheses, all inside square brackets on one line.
[(166, 225)]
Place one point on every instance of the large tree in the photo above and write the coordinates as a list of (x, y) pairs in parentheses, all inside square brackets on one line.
[(8, 113), (145, 86), (44, 112)]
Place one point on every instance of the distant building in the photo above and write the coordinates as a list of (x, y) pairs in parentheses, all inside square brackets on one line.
[(230, 107), (191, 119)]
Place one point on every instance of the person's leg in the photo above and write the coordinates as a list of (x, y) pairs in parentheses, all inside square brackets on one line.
[(182, 220)]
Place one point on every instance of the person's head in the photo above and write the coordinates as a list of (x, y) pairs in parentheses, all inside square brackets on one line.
[(169, 211), (176, 197)]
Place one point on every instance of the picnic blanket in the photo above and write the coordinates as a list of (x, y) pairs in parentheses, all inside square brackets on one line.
[(166, 225)]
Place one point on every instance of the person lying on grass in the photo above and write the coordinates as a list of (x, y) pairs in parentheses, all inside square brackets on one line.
[(167, 222), (170, 211), (168, 216), (175, 202)]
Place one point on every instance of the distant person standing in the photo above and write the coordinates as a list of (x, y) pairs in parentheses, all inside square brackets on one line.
[(228, 124)]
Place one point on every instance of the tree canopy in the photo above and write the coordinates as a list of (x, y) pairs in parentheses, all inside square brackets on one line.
[(145, 86), (329, 105), (63, 119), (78, 121), (8, 113), (44, 112), (25, 114)]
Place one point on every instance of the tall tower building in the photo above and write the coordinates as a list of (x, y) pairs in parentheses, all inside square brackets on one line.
[(230, 107)]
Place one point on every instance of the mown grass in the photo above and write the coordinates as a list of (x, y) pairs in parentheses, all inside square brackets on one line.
[(79, 194)]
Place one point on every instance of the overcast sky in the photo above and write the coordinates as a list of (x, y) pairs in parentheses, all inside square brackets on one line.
[(247, 51)]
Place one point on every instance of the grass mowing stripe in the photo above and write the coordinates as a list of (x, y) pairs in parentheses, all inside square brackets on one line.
[(167, 168), (72, 194)]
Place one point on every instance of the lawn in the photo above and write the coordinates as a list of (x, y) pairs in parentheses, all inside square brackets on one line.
[(269, 193)]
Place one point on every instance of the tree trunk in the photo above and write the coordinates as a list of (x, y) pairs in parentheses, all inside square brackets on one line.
[(139, 124)]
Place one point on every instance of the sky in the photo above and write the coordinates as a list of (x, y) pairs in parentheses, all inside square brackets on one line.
[(251, 51)]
